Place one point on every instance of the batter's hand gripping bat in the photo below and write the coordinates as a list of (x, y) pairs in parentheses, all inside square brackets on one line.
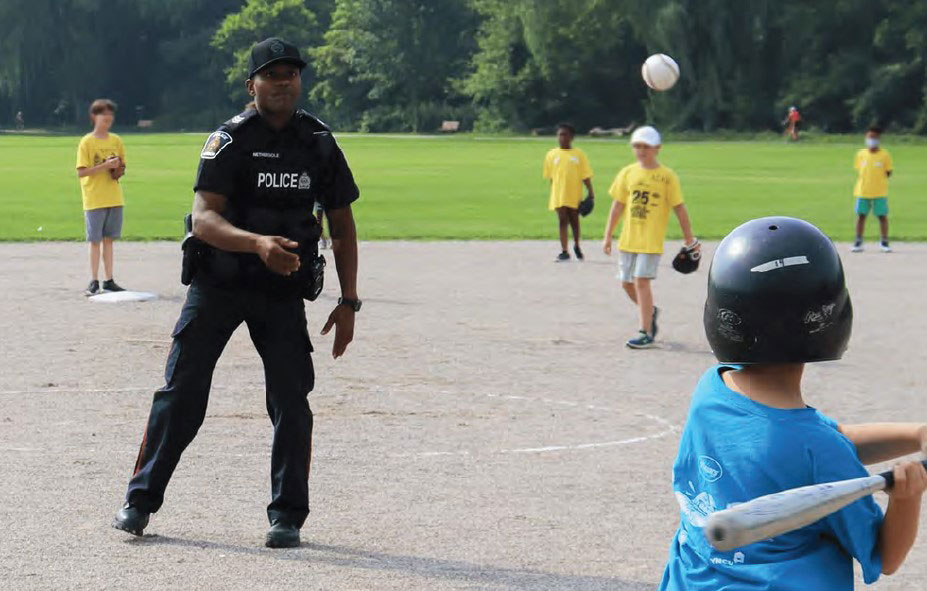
[(771, 515)]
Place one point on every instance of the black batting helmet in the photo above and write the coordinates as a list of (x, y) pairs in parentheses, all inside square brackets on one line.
[(776, 294)]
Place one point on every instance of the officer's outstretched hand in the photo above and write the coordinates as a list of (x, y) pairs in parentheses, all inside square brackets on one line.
[(342, 318), (273, 251)]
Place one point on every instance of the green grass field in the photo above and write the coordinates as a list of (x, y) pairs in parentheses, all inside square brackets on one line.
[(470, 187)]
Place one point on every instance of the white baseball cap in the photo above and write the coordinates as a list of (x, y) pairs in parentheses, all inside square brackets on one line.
[(646, 135)]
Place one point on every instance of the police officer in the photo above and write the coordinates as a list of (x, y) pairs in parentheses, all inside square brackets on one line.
[(259, 175)]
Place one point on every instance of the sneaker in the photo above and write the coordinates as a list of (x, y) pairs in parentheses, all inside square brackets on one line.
[(653, 322), (93, 288), (282, 535), (884, 246), (857, 245), (563, 256), (641, 341), (131, 519), (323, 243), (578, 252), (110, 285)]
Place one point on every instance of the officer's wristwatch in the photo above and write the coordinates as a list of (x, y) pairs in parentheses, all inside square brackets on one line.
[(353, 304)]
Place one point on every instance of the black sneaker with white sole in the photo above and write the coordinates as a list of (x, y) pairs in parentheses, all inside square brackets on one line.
[(562, 257), (110, 285), (93, 288), (578, 252)]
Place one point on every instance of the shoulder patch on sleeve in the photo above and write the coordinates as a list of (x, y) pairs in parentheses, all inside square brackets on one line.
[(215, 143), (240, 119)]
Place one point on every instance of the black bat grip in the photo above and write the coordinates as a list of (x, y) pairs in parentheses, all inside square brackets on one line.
[(889, 476)]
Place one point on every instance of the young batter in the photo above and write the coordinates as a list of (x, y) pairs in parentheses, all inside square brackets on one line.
[(777, 300)]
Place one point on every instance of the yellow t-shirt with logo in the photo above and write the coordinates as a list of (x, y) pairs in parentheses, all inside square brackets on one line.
[(873, 170), (566, 170), (99, 189), (648, 196)]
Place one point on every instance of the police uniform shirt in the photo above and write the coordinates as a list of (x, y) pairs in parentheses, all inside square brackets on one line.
[(256, 166)]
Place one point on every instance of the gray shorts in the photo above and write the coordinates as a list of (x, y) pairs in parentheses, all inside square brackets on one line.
[(637, 264), (103, 222)]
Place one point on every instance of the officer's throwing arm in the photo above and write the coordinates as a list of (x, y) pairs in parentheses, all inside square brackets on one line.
[(344, 247)]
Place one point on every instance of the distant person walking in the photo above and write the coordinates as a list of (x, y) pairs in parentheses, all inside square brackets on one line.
[(567, 169), (874, 165), (101, 160), (792, 119), (20, 122)]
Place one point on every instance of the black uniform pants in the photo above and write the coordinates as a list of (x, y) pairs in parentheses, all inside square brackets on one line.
[(278, 330)]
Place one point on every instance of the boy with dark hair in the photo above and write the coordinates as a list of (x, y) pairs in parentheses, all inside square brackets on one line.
[(874, 165), (100, 163), (567, 169), (776, 301)]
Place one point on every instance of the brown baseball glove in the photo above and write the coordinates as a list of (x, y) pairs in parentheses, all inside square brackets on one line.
[(116, 173)]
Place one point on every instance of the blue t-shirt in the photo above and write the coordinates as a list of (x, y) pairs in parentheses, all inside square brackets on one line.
[(733, 450)]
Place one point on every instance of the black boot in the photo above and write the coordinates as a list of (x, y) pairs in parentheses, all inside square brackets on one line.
[(282, 535), (131, 520)]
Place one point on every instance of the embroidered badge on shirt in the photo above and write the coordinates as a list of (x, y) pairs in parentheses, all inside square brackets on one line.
[(215, 143)]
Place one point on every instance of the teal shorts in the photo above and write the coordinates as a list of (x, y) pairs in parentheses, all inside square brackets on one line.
[(877, 205)]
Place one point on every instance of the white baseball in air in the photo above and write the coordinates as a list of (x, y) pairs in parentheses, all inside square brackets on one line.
[(660, 71)]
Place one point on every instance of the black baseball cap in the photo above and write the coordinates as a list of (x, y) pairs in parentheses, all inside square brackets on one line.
[(270, 51)]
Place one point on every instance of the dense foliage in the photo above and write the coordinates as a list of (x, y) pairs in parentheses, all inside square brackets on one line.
[(405, 65)]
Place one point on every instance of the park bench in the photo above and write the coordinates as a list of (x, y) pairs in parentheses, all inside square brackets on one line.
[(449, 126)]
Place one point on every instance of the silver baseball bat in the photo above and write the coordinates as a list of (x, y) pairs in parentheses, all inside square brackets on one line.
[(772, 515)]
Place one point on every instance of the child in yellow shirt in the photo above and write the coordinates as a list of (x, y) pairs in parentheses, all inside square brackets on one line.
[(101, 158), (644, 193), (875, 166), (567, 169)]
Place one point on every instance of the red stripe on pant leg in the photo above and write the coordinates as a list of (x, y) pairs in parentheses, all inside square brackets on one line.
[(141, 453)]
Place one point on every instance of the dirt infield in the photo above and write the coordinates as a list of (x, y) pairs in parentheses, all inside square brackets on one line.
[(487, 429)]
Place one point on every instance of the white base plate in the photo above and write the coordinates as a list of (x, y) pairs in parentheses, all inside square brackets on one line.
[(123, 296)]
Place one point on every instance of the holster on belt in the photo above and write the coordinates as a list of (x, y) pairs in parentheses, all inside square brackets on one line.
[(195, 252), (249, 271)]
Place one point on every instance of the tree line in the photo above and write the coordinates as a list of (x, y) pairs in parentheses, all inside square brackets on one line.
[(493, 65)]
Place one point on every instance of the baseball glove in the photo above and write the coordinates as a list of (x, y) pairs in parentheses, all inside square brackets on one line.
[(116, 173), (686, 261), (586, 205)]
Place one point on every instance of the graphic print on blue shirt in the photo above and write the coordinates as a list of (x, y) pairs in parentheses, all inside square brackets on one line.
[(734, 449)]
